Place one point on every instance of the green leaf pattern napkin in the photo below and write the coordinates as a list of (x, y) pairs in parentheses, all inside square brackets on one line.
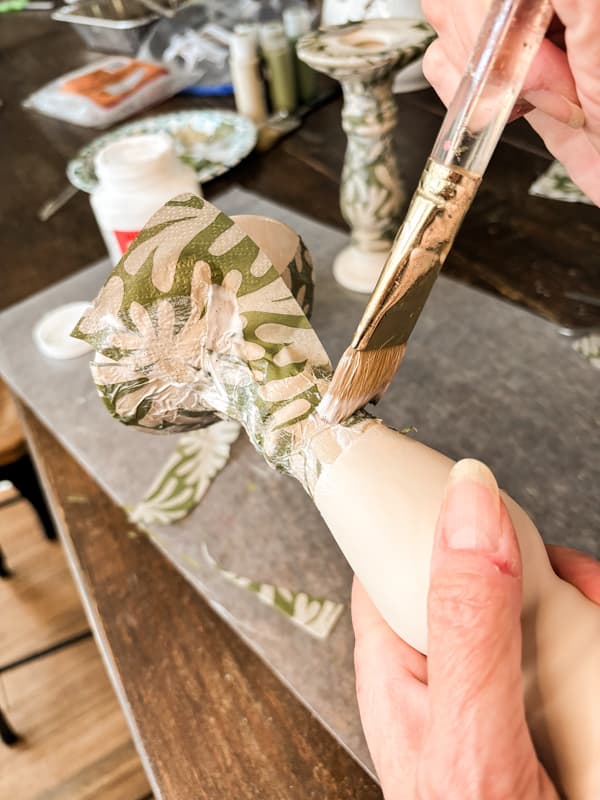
[(315, 615), (195, 326), (185, 478)]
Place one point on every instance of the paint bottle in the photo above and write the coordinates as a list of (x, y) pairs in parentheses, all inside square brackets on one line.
[(296, 22), (279, 63), (248, 88), (136, 176)]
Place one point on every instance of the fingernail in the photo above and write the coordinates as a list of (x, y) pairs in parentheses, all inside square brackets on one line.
[(472, 508), (557, 106)]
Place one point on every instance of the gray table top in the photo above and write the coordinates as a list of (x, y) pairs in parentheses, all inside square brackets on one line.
[(481, 378)]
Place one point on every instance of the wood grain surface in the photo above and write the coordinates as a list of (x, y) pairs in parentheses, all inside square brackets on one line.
[(12, 440), (75, 742), (209, 719), (40, 605)]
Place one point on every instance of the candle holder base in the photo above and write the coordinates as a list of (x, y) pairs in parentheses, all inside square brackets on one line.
[(358, 270)]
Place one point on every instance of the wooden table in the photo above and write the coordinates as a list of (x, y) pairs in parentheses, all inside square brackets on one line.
[(209, 718)]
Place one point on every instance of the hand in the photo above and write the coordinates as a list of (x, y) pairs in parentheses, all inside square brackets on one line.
[(564, 87), (452, 725)]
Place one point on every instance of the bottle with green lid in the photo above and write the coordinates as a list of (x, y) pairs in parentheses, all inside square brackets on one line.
[(279, 61), (297, 22)]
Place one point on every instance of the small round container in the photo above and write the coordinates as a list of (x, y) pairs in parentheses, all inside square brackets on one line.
[(136, 176), (52, 334)]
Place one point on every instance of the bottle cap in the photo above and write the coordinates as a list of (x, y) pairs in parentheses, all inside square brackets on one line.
[(243, 46), (272, 36), (296, 21), (135, 157), (247, 27)]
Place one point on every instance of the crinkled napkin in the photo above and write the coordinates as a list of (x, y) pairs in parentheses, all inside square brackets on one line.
[(196, 325)]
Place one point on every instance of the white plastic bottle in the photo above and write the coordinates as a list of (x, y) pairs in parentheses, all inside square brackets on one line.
[(244, 65), (136, 175)]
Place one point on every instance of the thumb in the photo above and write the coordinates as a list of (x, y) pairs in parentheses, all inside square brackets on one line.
[(477, 714)]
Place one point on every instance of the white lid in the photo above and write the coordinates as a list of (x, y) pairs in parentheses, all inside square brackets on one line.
[(296, 21), (247, 27), (243, 46), (135, 157), (52, 334), (272, 36)]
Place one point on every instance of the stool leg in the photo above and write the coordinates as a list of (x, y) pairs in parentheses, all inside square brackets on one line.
[(22, 475), (7, 734), (4, 570)]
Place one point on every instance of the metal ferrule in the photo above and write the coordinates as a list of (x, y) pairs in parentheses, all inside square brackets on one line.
[(420, 248)]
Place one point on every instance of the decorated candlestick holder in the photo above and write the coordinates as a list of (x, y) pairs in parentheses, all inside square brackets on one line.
[(364, 57)]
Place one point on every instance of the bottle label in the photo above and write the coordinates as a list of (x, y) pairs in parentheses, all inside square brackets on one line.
[(124, 239)]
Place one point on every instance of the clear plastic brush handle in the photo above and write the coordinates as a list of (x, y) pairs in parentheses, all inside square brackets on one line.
[(509, 39)]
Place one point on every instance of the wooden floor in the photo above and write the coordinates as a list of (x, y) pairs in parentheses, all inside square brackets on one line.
[(53, 686)]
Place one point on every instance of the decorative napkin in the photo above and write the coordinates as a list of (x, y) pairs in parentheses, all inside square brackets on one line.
[(195, 325), (556, 184), (184, 479), (316, 615)]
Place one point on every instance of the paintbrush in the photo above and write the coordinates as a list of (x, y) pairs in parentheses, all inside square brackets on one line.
[(508, 41)]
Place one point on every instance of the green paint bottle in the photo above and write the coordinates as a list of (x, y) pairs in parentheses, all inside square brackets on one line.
[(279, 62), (296, 22)]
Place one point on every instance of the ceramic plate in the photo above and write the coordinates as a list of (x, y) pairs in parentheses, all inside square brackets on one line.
[(210, 141)]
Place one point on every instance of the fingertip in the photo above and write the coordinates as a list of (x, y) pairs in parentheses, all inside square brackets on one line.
[(577, 568), (439, 72), (433, 61), (473, 519), (435, 14), (558, 107), (365, 615)]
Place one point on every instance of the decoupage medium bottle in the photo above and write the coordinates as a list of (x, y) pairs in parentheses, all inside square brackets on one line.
[(136, 175), (244, 64)]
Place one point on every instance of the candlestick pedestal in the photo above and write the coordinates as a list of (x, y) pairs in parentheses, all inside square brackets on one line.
[(364, 57)]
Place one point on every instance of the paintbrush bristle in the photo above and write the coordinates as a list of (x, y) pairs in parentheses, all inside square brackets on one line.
[(361, 377)]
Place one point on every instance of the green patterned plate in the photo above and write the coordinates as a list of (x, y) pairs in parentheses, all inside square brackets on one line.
[(210, 141)]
